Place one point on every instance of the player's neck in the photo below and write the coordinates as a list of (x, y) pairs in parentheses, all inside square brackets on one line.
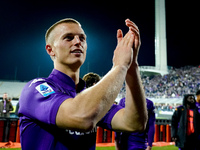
[(74, 76), (72, 73)]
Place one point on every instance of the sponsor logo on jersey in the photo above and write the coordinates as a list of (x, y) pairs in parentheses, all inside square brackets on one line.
[(45, 89), (71, 132)]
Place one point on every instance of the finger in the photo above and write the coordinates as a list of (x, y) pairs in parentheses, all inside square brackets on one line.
[(137, 41), (131, 40), (137, 36), (128, 39), (131, 24), (133, 30), (119, 35)]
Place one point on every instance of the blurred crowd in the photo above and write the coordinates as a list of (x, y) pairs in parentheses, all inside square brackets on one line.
[(165, 107), (178, 82)]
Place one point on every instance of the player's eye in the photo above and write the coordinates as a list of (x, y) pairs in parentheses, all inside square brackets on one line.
[(69, 37), (82, 38)]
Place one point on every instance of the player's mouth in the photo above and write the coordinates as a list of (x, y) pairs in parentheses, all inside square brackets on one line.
[(77, 51)]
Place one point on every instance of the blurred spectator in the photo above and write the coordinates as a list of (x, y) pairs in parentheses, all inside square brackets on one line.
[(5, 106), (185, 124)]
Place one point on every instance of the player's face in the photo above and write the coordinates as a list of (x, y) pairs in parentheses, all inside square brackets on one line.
[(69, 44)]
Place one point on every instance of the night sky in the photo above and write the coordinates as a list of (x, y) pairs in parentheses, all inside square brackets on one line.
[(23, 25)]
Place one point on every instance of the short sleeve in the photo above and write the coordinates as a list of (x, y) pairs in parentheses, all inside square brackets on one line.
[(41, 101), (105, 122)]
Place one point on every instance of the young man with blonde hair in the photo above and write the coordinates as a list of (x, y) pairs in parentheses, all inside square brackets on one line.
[(57, 113)]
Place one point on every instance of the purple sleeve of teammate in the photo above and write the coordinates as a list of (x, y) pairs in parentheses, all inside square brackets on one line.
[(151, 122), (122, 102), (105, 122)]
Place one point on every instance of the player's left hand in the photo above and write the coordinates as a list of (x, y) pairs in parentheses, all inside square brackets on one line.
[(137, 42)]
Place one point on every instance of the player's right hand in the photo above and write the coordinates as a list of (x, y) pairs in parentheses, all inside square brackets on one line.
[(123, 53)]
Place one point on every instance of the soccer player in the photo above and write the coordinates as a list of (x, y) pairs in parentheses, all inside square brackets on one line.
[(57, 113), (137, 140)]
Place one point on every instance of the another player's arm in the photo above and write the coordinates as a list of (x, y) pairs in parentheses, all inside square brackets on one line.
[(85, 110)]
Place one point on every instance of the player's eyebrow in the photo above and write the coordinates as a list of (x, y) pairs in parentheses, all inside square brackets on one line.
[(73, 34)]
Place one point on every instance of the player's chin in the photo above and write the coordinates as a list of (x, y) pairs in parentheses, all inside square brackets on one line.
[(77, 63)]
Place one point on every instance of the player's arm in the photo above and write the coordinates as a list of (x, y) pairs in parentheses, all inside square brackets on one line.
[(87, 108), (134, 116)]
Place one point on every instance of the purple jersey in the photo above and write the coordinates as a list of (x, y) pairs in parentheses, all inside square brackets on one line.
[(138, 140), (198, 106), (39, 103)]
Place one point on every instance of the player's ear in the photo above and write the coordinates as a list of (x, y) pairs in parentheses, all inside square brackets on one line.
[(50, 50)]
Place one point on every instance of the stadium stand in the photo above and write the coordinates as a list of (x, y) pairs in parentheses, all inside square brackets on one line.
[(175, 84), (13, 88)]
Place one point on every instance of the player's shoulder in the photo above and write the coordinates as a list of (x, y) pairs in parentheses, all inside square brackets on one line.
[(179, 108), (36, 81), (39, 84), (43, 86)]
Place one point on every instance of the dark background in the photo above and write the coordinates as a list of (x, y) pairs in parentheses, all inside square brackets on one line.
[(23, 25)]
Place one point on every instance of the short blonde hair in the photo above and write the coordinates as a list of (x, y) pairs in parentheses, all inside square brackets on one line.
[(66, 20)]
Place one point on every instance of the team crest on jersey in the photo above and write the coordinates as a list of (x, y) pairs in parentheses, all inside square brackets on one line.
[(45, 89)]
